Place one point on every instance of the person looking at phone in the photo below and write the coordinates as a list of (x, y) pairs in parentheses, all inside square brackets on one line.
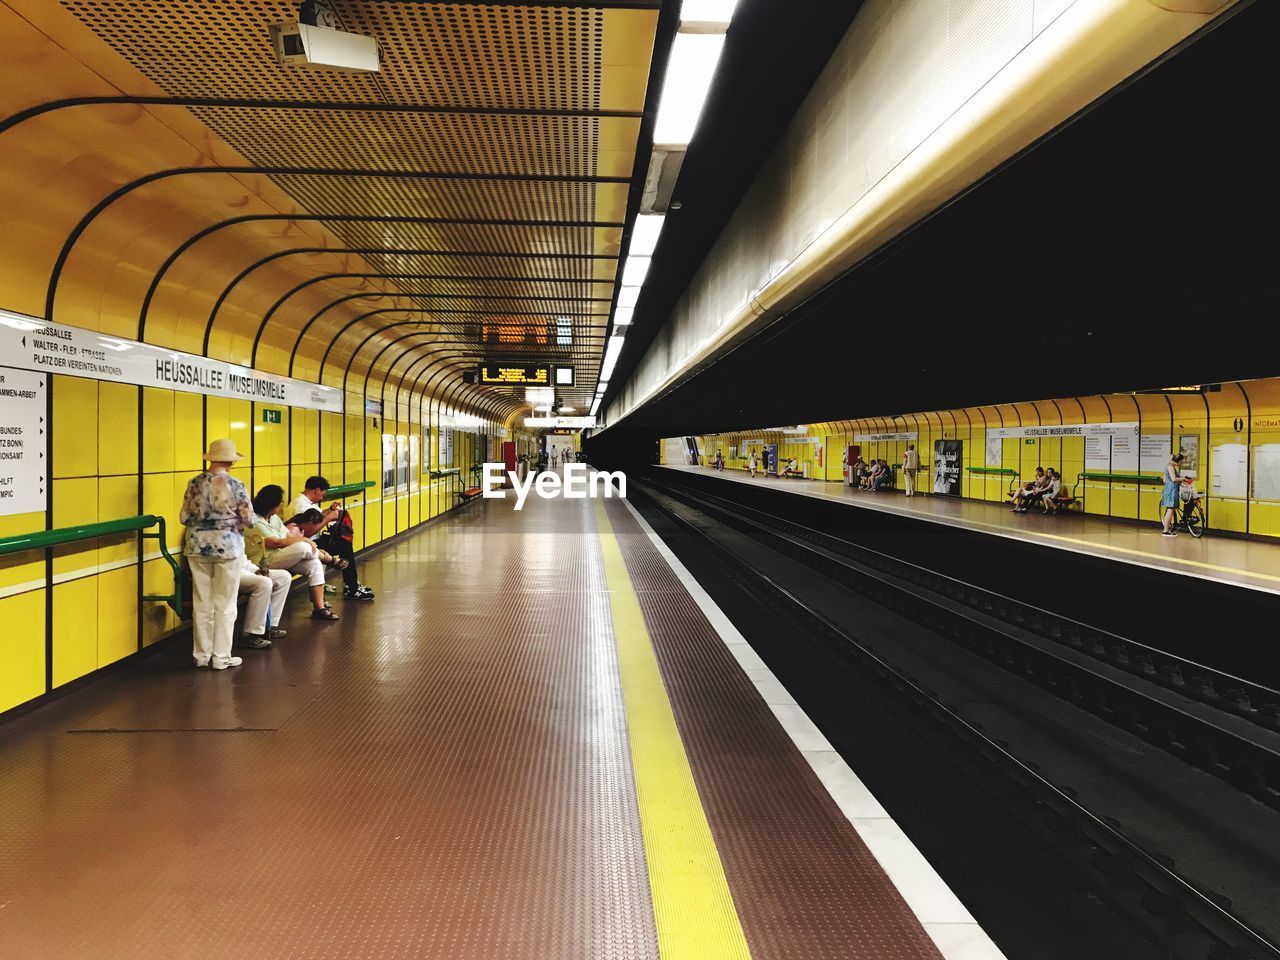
[(336, 536)]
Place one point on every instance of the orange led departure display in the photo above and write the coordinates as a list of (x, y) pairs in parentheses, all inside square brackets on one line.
[(522, 375)]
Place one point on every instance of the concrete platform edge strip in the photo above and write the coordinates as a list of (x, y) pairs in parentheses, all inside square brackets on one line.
[(945, 919), (693, 907)]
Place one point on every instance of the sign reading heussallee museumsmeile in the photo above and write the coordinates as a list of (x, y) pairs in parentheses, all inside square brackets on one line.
[(31, 344)]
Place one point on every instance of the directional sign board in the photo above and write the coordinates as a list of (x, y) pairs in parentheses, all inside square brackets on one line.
[(24, 442), (577, 423)]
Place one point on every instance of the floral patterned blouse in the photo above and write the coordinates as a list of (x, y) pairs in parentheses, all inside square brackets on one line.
[(216, 511)]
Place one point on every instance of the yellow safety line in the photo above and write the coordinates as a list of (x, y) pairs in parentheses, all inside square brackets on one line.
[(692, 906)]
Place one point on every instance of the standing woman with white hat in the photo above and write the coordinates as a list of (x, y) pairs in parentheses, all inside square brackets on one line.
[(216, 511)]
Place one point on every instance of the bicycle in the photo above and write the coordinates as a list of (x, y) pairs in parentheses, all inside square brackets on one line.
[(1192, 516)]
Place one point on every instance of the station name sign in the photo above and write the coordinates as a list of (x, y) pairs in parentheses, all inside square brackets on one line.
[(515, 375), (572, 423), (886, 437), (31, 344), (1068, 430)]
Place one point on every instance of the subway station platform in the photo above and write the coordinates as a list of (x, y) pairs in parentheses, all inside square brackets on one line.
[(1232, 561), (541, 741)]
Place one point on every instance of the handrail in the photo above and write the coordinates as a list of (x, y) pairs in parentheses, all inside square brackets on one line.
[(40, 539), (1143, 478), (44, 539), (446, 472), (346, 489)]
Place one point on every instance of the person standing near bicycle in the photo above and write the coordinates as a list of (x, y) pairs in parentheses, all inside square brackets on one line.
[(1170, 499)]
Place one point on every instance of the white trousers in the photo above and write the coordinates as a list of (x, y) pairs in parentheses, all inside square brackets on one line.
[(266, 594), (215, 584), (300, 558), (911, 482)]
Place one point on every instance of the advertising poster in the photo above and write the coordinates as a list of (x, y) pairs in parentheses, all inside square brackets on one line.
[(388, 462), (1189, 447), (995, 451), (771, 458), (402, 463), (947, 455), (415, 458)]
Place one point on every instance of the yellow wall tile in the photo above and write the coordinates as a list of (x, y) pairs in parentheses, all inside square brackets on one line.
[(22, 648)]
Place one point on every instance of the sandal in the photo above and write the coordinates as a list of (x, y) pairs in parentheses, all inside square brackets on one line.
[(324, 613), (338, 563)]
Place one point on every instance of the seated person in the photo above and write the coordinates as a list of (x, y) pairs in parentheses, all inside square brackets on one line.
[(792, 469), (267, 591), (884, 478), (871, 475), (1058, 496), (1030, 492), (290, 552), (330, 540)]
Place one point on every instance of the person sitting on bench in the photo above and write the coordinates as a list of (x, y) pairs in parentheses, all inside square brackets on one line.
[(884, 478), (871, 475), (332, 538), (1036, 486), (290, 552), (1061, 498), (1049, 499), (266, 589), (792, 469)]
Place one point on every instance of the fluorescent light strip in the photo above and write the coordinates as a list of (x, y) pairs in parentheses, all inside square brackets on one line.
[(628, 296), (595, 407), (707, 11), (644, 236), (611, 357), (622, 316), (694, 57), (634, 271)]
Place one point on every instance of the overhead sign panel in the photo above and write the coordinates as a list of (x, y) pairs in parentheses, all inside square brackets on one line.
[(32, 344), (515, 375), (23, 442), (576, 423)]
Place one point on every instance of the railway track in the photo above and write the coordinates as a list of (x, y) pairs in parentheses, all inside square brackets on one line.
[(1216, 722)]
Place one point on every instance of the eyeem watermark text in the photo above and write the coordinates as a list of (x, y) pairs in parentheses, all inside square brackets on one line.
[(578, 483)]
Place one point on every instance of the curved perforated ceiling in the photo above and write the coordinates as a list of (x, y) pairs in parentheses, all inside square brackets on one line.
[(477, 185)]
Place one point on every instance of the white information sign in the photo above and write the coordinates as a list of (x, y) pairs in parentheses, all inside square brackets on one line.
[(23, 442), (1065, 430), (54, 348), (1266, 471), (995, 451), (572, 423), (1229, 463), (1156, 449), (886, 437)]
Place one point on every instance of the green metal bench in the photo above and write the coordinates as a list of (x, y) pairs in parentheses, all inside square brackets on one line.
[(44, 539)]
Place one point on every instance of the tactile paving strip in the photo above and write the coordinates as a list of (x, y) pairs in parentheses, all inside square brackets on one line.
[(805, 885), (455, 782)]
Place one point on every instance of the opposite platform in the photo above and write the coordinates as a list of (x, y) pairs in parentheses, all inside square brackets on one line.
[(1235, 561)]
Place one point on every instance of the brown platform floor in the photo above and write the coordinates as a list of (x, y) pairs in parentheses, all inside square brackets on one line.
[(1247, 563), (444, 773)]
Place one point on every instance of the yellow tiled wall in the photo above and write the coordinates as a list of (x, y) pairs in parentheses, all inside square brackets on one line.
[(112, 460)]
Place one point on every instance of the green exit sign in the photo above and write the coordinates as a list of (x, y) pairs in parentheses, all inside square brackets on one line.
[(1030, 441), (273, 416)]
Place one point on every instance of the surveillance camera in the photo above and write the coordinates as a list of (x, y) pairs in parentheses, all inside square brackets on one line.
[(322, 48)]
